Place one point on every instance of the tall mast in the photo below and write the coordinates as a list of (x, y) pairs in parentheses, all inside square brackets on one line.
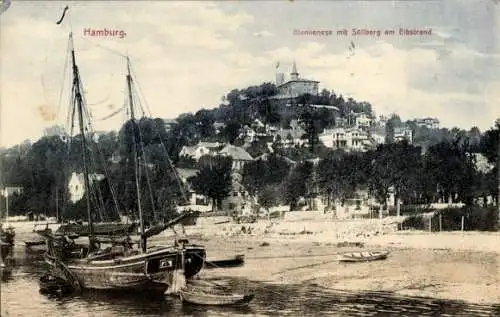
[(136, 156), (79, 104)]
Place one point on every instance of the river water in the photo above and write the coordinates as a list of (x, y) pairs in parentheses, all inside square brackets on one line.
[(20, 297)]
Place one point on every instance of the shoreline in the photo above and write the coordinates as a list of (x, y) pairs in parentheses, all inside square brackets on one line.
[(446, 274), (462, 266)]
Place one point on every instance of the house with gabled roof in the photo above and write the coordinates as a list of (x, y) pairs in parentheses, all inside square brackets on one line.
[(76, 184), (238, 154), (200, 149)]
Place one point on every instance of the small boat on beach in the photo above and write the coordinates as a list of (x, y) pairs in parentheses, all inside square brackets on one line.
[(237, 261), (203, 298), (34, 243), (363, 256), (213, 297)]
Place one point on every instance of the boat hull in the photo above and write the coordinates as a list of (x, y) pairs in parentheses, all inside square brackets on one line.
[(214, 300), (237, 261), (151, 271), (99, 229), (364, 256)]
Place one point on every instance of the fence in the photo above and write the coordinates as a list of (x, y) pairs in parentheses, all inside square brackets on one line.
[(455, 219)]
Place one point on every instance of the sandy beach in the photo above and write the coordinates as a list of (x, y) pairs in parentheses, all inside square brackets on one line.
[(303, 248)]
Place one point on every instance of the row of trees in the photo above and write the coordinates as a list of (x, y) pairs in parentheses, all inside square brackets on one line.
[(44, 168), (447, 171)]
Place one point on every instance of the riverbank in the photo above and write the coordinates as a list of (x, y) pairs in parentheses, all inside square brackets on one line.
[(452, 265), (303, 249)]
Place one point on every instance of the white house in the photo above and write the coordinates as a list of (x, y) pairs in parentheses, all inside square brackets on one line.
[(169, 124), (192, 196), (238, 154), (403, 133), (76, 185), (290, 137), (348, 139), (363, 121), (377, 135), (430, 123), (200, 149)]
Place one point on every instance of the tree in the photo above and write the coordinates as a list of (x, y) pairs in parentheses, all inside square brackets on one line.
[(268, 198), (313, 129), (296, 185), (254, 176), (490, 147), (393, 122), (214, 178), (205, 120), (232, 131), (453, 169)]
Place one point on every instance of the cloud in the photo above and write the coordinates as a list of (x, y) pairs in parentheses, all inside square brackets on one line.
[(186, 55), (264, 33)]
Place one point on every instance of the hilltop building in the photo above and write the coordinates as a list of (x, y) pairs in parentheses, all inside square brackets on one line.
[(430, 123), (295, 86), (55, 130)]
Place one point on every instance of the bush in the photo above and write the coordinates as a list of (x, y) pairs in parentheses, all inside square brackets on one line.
[(414, 222), (475, 218)]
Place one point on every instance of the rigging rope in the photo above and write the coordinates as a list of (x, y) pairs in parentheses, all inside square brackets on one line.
[(170, 163), (148, 178), (64, 75), (107, 174), (114, 113), (90, 128), (104, 47)]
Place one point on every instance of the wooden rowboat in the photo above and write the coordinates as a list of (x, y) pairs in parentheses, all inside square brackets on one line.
[(205, 297), (211, 293), (237, 261), (33, 243), (364, 256)]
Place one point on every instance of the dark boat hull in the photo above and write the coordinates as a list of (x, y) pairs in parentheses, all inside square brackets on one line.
[(99, 229), (237, 261), (30, 244), (152, 271)]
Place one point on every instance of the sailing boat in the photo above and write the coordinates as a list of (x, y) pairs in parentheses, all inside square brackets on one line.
[(119, 267)]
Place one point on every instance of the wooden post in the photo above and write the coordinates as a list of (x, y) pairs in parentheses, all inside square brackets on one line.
[(462, 223), (430, 224), (440, 223)]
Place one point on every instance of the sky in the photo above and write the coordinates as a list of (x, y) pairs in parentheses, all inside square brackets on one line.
[(187, 55)]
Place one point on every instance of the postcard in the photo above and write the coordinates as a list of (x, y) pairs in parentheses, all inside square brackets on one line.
[(250, 158)]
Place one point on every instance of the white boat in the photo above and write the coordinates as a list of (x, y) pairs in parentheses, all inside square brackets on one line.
[(363, 256), (204, 296)]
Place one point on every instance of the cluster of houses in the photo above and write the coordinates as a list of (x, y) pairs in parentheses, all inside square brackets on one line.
[(362, 135)]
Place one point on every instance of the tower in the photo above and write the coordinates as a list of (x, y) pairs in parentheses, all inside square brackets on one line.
[(280, 79), (294, 75)]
